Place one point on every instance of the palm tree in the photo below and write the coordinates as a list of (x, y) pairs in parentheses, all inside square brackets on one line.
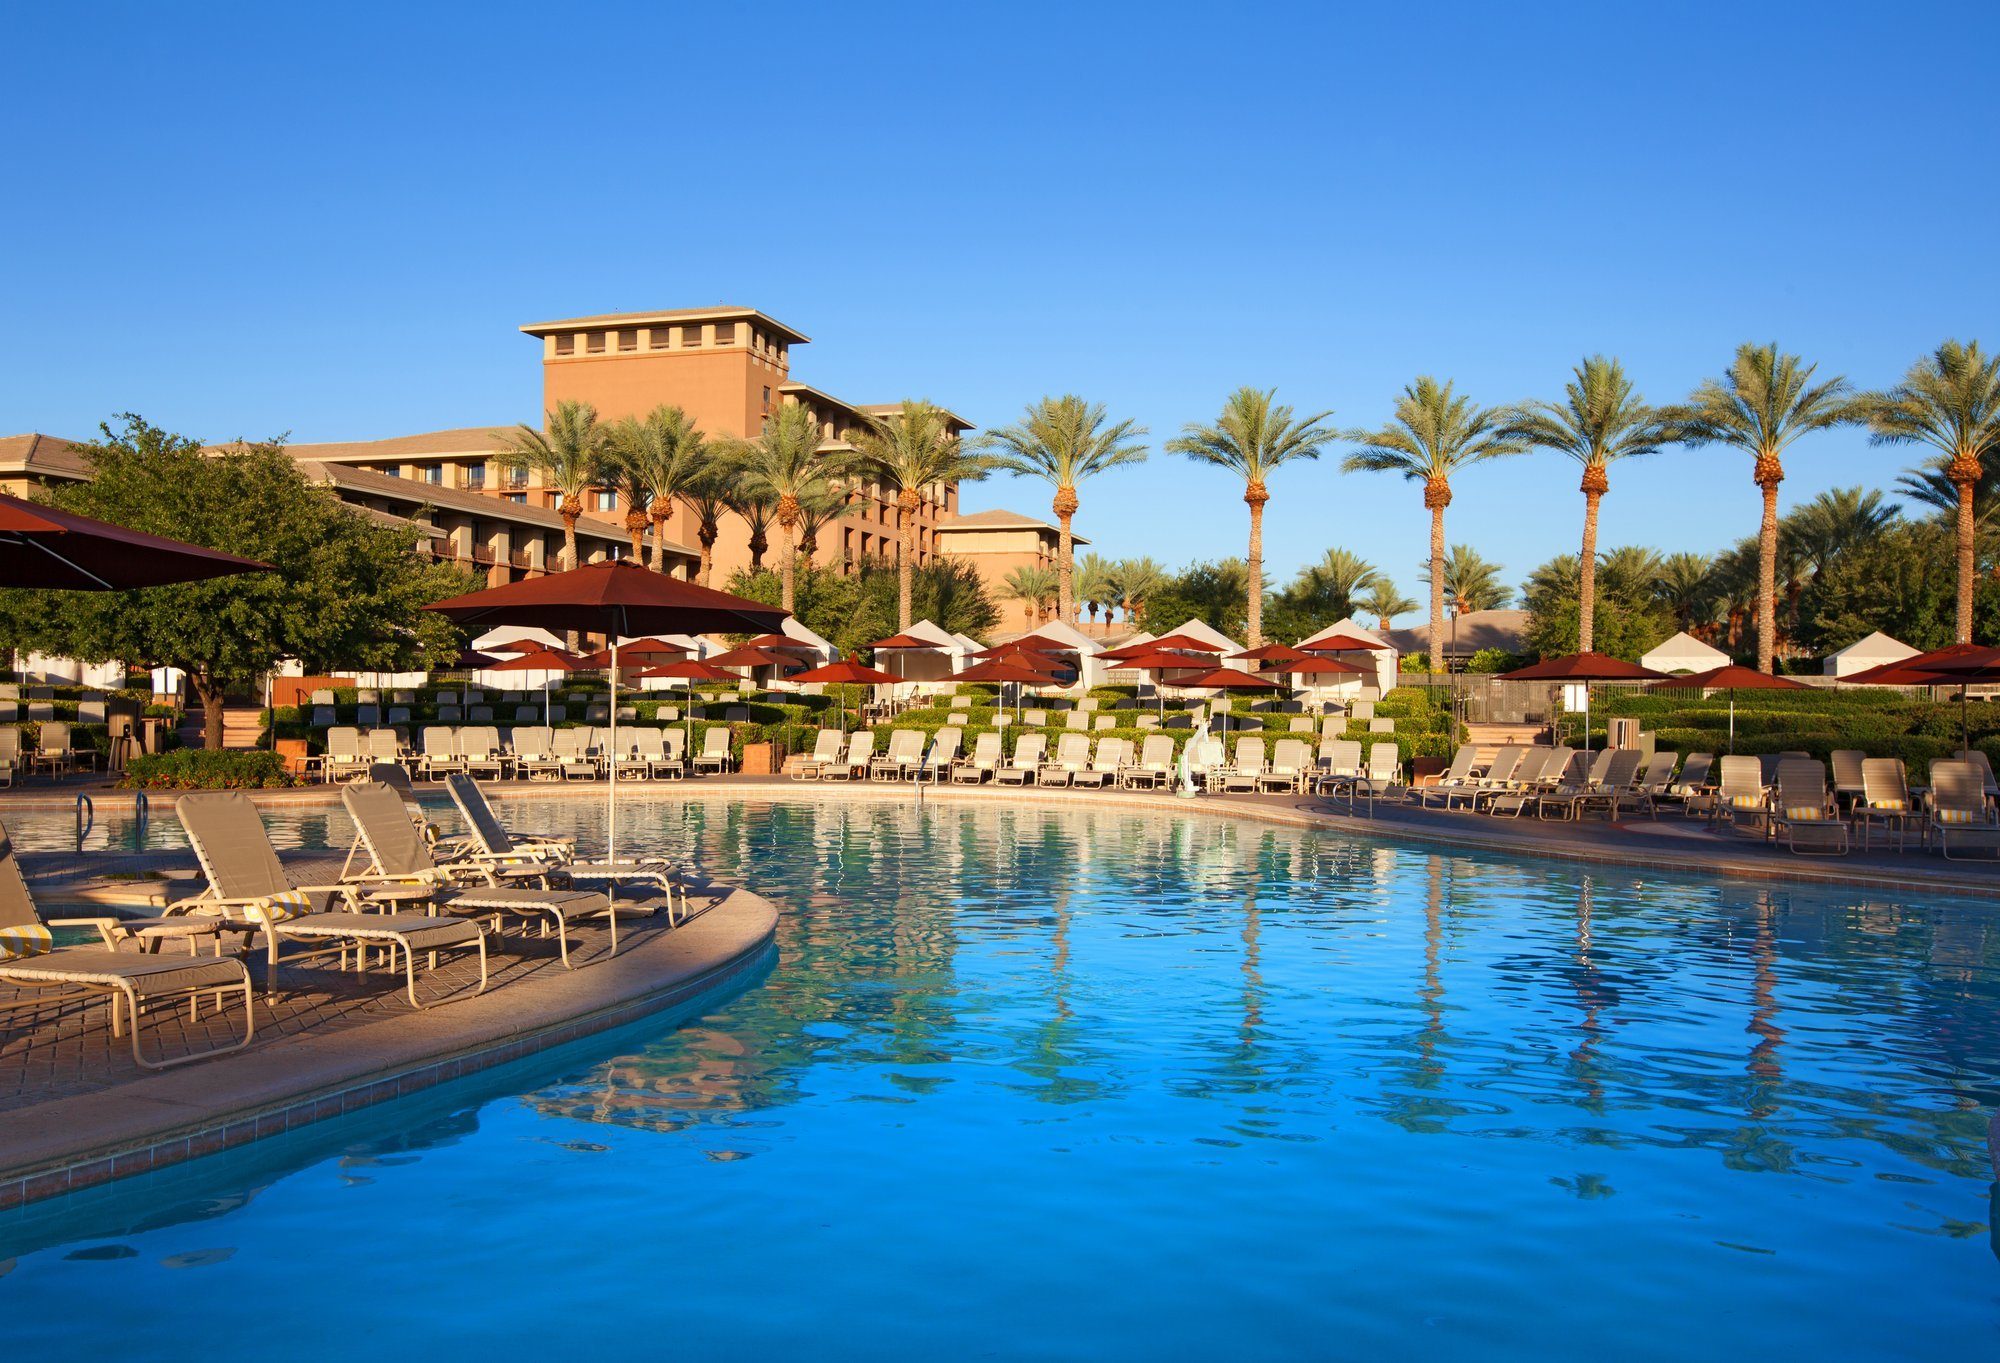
[(1384, 602), (1136, 580), (1599, 421), (1830, 524), (1252, 438), (708, 498), (756, 509), (665, 455), (1471, 582), (911, 449), (1435, 434), (1064, 441), (1684, 585), (1764, 402), (637, 495), (784, 466), (817, 511), (569, 457), (1096, 586), (1034, 585), (1950, 401), (1337, 579)]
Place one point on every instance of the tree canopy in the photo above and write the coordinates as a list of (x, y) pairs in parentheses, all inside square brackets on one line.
[(345, 592)]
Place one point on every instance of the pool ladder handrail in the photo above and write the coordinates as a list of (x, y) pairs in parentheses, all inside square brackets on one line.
[(86, 818)]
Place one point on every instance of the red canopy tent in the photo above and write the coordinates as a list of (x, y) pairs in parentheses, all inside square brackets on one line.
[(617, 598)]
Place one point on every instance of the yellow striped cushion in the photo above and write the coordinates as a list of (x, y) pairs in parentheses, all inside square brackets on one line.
[(290, 904), (1890, 806), (1746, 802), (1961, 816), (1804, 813), (32, 940)]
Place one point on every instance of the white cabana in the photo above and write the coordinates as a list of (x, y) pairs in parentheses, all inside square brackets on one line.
[(1208, 634), (1684, 653), (1090, 670), (932, 664), (1871, 650)]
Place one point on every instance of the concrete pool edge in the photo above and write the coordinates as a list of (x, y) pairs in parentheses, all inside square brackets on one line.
[(169, 1117)]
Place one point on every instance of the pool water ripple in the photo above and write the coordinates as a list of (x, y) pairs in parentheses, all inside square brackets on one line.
[(1067, 1084)]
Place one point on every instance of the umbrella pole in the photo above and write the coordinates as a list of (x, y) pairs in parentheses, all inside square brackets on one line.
[(611, 786), (1732, 722)]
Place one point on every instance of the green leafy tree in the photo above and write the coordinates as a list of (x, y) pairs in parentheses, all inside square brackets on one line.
[(1600, 420), (1471, 581), (570, 456), (345, 590), (1631, 616), (818, 509), (911, 449), (708, 498), (1252, 438), (1685, 586), (666, 456), (1762, 405), (1324, 591), (851, 609), (1214, 593), (1434, 435), (1903, 582), (1950, 401), (1137, 579), (757, 508), (1064, 441), (785, 467)]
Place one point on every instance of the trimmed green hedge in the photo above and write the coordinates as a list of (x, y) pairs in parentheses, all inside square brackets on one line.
[(202, 769)]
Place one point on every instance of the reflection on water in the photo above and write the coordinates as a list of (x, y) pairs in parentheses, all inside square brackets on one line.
[(1208, 1088)]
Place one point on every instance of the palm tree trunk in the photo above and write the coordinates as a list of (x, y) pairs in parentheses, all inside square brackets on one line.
[(1586, 587), (570, 513), (788, 555), (1968, 568), (659, 542), (1256, 495), (1437, 496), (635, 528), (906, 501), (1065, 509), (1767, 578)]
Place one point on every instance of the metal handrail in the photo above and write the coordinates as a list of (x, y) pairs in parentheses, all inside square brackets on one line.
[(86, 818)]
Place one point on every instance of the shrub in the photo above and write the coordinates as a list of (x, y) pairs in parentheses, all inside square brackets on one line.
[(201, 769)]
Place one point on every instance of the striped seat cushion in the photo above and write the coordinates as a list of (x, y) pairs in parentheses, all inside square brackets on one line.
[(1890, 806), (1805, 813), (1962, 816), (30, 940), (1746, 802), (290, 904)]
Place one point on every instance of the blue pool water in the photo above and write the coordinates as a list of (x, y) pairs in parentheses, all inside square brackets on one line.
[(1076, 1085)]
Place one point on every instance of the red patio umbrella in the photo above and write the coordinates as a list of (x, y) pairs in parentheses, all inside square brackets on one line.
[(746, 656), (1342, 643), (617, 598), (1731, 677), (1184, 642), (1273, 652), (1584, 668), (543, 660), (906, 641), (1230, 679), (41, 546), (644, 652), (1967, 665), (1161, 661), (846, 672), (1002, 671), (1913, 671)]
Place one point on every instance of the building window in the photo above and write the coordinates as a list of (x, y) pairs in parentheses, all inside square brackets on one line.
[(593, 342), (517, 476), (767, 397), (475, 477), (518, 498), (661, 335), (566, 345), (628, 339), (431, 473), (690, 337), (725, 333), (604, 501), (393, 470)]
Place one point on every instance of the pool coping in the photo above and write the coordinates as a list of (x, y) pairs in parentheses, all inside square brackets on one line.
[(167, 1117)]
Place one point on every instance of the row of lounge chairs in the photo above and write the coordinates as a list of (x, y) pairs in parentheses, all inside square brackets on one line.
[(639, 752), (403, 896), (52, 752)]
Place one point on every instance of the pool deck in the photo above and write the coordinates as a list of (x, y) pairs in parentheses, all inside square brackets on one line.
[(75, 1111)]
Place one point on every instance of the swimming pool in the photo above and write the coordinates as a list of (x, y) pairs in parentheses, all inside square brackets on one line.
[(1089, 1083)]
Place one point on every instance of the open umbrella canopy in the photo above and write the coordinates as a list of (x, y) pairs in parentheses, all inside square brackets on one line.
[(907, 641), (1230, 679), (846, 672), (1185, 643), (638, 653), (1342, 643), (999, 670), (1582, 667), (1732, 677), (1318, 667), (781, 643), (690, 670), (541, 660), (1970, 664), (41, 546), (471, 660), (1268, 653), (1164, 661), (617, 597)]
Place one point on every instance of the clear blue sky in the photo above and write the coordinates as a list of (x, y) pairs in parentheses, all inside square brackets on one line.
[(329, 221)]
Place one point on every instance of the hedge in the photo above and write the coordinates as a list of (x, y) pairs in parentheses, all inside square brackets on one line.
[(202, 769)]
